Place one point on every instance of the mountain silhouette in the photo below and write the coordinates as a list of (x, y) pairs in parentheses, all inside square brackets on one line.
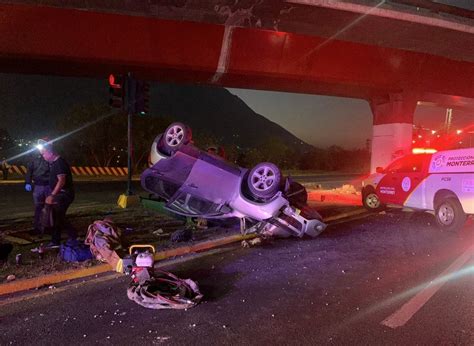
[(219, 112)]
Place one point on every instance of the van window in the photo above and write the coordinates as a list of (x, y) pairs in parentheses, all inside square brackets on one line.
[(407, 164)]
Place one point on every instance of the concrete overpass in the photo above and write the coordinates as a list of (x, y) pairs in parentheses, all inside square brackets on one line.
[(389, 53)]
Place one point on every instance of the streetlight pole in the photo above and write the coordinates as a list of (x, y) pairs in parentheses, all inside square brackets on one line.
[(129, 153)]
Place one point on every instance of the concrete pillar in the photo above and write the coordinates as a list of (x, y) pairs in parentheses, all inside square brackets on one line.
[(392, 128)]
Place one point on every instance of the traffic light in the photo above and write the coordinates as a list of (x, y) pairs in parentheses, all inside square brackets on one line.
[(129, 94), (116, 91), (142, 98)]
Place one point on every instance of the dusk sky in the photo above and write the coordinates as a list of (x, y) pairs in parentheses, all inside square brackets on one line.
[(325, 120), (318, 120)]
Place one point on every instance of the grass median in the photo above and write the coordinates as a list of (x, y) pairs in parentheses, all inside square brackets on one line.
[(138, 225)]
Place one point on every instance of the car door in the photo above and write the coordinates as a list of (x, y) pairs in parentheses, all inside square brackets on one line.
[(401, 179)]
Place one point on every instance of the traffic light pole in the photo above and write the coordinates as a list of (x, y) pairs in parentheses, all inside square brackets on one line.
[(129, 153), (124, 94)]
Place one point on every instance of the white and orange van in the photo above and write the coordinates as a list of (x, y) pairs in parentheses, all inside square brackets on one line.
[(440, 182)]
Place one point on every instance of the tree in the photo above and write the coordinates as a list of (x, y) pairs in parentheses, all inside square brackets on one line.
[(145, 130), (5, 140), (97, 135), (276, 151)]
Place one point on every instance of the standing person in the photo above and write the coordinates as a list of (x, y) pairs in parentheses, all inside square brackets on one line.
[(37, 180), (62, 192)]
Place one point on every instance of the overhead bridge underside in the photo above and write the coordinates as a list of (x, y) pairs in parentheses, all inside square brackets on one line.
[(49, 40)]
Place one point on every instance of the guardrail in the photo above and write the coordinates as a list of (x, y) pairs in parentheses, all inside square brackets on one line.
[(80, 171)]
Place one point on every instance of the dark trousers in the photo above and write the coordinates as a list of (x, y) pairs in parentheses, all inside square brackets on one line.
[(63, 201), (40, 193), (5, 250)]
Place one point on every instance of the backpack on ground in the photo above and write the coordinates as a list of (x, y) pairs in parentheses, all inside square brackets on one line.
[(74, 251)]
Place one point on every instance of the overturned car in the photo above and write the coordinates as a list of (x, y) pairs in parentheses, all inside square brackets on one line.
[(195, 183)]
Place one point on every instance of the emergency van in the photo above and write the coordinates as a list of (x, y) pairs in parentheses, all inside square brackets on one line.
[(441, 182)]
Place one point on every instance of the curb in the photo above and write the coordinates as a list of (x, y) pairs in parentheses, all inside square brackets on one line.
[(27, 284), (344, 215)]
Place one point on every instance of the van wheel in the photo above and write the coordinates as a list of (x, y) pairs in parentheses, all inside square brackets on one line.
[(371, 200), (449, 215)]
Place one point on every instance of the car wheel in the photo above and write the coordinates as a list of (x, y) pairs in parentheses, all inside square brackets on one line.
[(264, 180), (449, 214), (175, 136), (297, 195), (371, 201)]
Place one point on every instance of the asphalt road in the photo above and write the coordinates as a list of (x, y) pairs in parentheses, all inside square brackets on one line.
[(336, 289), (16, 202)]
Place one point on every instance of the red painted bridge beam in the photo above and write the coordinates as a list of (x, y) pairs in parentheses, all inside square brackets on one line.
[(46, 40)]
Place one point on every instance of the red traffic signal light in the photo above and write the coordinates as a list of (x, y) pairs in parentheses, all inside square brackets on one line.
[(116, 91)]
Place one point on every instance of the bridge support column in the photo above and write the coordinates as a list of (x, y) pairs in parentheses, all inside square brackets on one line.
[(392, 128)]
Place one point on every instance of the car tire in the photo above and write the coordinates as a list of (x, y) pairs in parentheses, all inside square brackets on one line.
[(449, 214), (175, 136), (371, 201), (297, 195), (263, 181)]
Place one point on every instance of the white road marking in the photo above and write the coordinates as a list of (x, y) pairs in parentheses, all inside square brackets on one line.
[(406, 312)]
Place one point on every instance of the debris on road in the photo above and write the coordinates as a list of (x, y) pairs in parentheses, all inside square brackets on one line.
[(251, 242), (181, 235), (11, 277), (158, 290), (347, 189), (158, 232), (255, 241), (165, 291)]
